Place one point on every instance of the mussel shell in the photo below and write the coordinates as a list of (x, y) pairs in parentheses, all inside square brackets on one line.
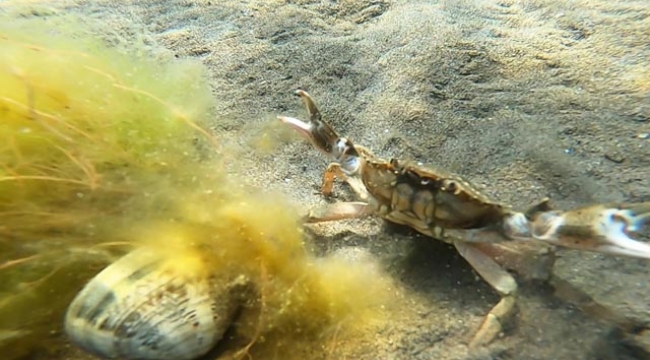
[(144, 307)]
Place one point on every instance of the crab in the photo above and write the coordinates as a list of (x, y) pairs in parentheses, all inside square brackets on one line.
[(446, 207)]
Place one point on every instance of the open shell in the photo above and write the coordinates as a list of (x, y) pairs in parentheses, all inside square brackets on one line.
[(146, 306)]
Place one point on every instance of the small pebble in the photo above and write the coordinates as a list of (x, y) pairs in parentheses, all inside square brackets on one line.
[(615, 156)]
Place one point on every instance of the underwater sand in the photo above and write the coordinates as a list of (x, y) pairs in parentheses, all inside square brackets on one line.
[(528, 99)]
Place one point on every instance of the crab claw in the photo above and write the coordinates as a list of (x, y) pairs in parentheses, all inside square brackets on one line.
[(316, 130), (604, 228)]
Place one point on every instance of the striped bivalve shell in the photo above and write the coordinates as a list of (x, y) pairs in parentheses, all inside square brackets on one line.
[(148, 306)]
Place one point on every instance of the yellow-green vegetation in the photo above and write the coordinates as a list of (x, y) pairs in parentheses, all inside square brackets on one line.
[(102, 150), (93, 141), (301, 306)]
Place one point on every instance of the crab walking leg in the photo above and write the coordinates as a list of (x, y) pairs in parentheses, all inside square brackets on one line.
[(569, 293), (501, 281), (603, 228), (340, 211), (334, 171), (535, 261), (532, 260)]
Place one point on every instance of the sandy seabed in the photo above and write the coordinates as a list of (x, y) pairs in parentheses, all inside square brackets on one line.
[(527, 99)]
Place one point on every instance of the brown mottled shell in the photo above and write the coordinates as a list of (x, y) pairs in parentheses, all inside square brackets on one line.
[(426, 198), (145, 306)]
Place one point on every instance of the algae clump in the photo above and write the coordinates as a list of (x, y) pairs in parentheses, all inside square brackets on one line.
[(93, 141), (86, 126), (102, 151)]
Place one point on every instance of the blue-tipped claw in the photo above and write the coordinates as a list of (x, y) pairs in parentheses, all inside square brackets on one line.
[(605, 228)]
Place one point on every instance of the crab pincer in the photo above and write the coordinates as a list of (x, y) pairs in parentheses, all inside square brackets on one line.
[(604, 228)]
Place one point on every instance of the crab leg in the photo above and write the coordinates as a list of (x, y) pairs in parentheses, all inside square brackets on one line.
[(334, 171), (501, 281), (603, 228), (535, 261), (569, 293), (340, 211)]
